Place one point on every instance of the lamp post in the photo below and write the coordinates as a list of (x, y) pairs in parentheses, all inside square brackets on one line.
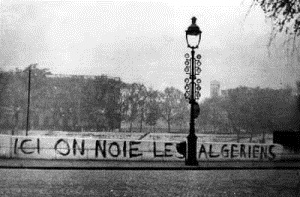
[(192, 87), (28, 101)]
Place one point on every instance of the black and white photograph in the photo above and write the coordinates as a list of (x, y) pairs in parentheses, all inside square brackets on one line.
[(150, 98)]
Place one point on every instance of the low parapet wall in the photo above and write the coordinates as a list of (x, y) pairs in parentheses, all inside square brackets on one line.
[(148, 136), (39, 147), (239, 151), (87, 148)]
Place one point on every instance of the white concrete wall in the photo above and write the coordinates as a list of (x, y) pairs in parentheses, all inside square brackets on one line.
[(150, 136), (45, 147), (238, 152), (86, 148), (5, 146)]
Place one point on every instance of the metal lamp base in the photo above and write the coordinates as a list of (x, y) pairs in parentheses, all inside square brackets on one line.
[(191, 162), (191, 156)]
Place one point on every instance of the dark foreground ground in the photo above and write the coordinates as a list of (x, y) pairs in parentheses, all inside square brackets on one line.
[(145, 179), (17, 182)]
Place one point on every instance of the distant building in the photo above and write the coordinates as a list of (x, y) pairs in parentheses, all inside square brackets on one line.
[(214, 88)]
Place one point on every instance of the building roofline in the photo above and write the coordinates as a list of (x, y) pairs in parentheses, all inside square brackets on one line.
[(82, 76)]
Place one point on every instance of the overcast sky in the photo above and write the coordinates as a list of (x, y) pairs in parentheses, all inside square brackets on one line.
[(143, 41)]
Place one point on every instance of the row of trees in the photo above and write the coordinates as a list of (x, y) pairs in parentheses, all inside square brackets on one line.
[(253, 110), (150, 106), (93, 103), (102, 103), (59, 102)]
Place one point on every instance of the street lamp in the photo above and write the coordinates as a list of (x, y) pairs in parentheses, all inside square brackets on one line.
[(28, 100), (192, 87), (193, 35)]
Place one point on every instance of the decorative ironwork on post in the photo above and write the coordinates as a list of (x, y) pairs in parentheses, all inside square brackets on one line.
[(192, 80)]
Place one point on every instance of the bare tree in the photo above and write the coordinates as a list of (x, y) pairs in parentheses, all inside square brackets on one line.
[(285, 18), (183, 113), (153, 112), (171, 105), (123, 101), (142, 103), (133, 102)]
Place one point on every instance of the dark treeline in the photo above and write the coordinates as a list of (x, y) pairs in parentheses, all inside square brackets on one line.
[(85, 103), (101, 103), (252, 111), (58, 102)]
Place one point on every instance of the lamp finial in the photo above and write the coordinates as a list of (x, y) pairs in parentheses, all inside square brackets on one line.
[(194, 20)]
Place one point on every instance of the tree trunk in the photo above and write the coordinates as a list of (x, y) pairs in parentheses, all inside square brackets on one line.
[(251, 135), (16, 126), (141, 126), (169, 126), (130, 128), (263, 136), (141, 123), (79, 115), (237, 131)]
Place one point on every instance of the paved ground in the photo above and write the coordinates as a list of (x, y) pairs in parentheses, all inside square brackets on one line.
[(116, 178), (266, 183), (142, 165), (94, 178)]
